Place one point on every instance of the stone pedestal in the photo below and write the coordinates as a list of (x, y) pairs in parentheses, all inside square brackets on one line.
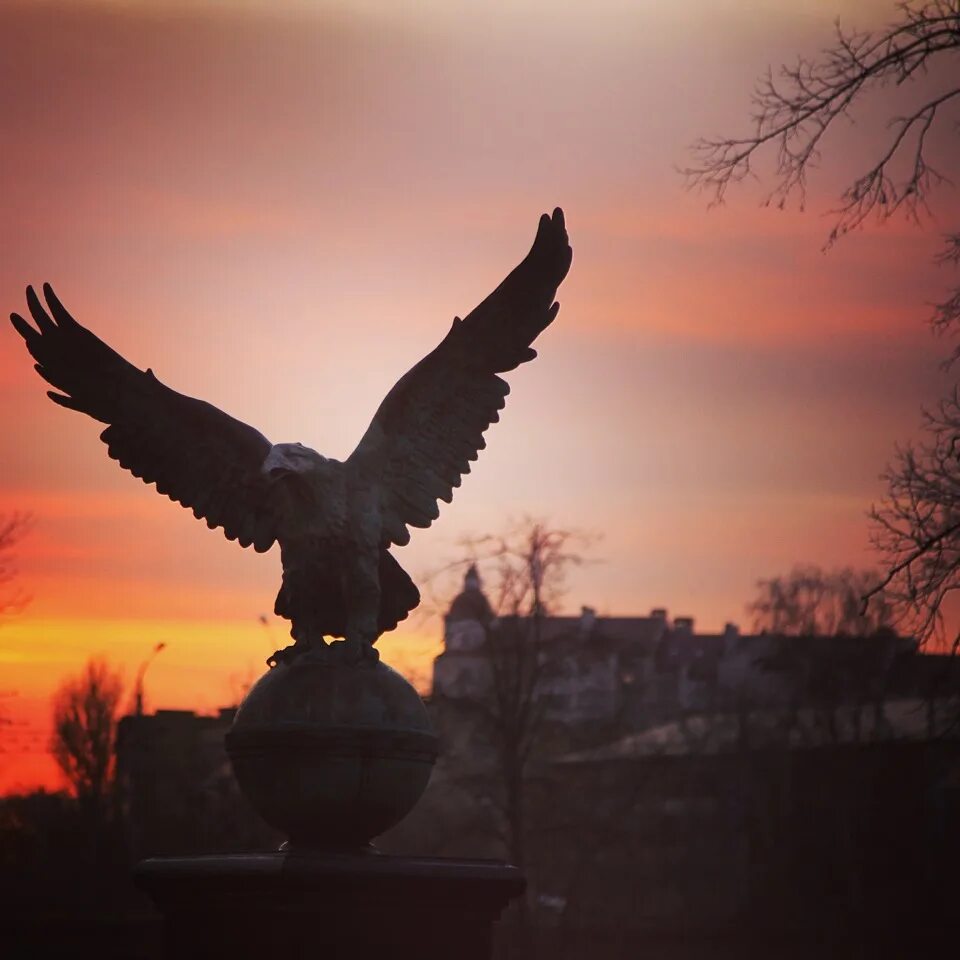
[(344, 906)]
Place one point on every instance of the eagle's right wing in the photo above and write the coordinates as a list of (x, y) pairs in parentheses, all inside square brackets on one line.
[(195, 453), (432, 422)]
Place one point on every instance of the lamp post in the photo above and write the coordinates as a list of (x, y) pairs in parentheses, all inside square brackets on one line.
[(141, 673)]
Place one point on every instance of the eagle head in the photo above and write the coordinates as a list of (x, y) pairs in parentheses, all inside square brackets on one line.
[(287, 458)]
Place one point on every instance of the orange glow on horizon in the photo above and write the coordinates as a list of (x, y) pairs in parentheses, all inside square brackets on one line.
[(205, 665)]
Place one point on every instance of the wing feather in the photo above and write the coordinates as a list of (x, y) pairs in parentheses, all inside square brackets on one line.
[(431, 424), (195, 454)]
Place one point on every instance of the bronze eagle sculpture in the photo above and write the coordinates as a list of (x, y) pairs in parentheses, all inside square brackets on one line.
[(335, 522)]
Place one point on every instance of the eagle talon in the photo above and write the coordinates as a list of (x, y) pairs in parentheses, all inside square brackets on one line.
[(286, 655), (349, 652), (294, 652), (353, 652)]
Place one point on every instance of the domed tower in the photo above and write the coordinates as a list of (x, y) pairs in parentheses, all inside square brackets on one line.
[(462, 669), (469, 616)]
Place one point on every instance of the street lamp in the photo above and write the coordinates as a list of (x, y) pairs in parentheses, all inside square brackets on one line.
[(138, 686)]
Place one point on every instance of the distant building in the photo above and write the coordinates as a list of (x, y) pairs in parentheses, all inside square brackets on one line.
[(177, 787), (707, 784), (642, 671)]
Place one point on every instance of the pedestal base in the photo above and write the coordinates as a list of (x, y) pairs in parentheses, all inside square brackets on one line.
[(297, 905)]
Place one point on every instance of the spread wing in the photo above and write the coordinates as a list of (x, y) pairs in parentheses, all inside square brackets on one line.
[(430, 424), (195, 453)]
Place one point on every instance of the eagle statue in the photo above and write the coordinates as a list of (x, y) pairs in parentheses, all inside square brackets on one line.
[(335, 522)]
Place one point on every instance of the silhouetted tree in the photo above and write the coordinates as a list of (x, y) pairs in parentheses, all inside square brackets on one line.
[(493, 720), (530, 565), (84, 730), (813, 602), (915, 526)]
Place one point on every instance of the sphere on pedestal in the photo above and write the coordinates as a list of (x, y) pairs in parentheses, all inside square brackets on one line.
[(330, 753)]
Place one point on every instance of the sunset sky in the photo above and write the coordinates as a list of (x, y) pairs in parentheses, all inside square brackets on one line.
[(280, 206)]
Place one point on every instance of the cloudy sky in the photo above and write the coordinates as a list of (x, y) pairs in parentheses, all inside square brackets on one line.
[(279, 207)]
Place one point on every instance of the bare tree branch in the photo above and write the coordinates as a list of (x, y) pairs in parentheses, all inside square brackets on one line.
[(794, 109), (917, 526), (529, 563)]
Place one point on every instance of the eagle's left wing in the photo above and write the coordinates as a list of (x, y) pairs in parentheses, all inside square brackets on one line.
[(431, 423), (195, 453)]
